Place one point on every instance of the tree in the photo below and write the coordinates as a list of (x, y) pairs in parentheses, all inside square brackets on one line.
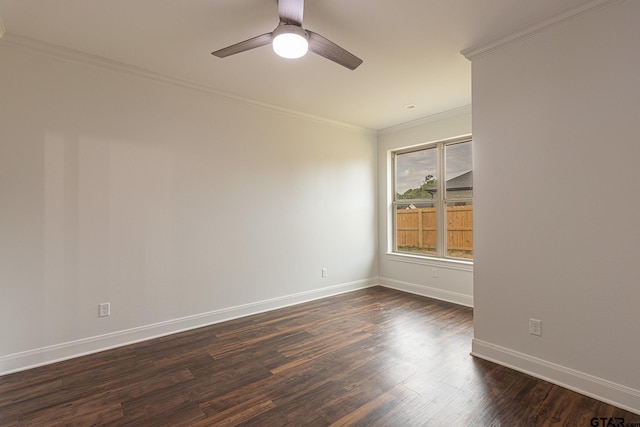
[(430, 181), (425, 191)]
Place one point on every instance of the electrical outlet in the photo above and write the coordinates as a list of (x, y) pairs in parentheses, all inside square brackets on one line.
[(434, 272), (324, 272), (535, 327), (104, 309)]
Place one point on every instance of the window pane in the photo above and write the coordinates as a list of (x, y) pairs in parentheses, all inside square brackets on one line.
[(460, 229), (416, 228), (459, 170), (416, 174)]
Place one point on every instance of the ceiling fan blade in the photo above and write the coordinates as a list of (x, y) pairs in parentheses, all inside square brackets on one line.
[(332, 51), (243, 46), (291, 11)]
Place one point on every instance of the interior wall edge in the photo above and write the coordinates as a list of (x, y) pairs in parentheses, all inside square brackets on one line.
[(615, 394), (29, 359)]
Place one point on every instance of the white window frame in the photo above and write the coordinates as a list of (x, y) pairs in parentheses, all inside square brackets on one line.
[(440, 203)]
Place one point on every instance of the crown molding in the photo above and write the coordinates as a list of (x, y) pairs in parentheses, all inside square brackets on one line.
[(465, 109), (72, 55), (476, 52)]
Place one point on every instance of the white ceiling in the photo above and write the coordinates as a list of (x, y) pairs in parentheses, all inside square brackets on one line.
[(411, 48)]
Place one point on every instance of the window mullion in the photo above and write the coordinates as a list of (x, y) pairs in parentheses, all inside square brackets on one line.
[(441, 206)]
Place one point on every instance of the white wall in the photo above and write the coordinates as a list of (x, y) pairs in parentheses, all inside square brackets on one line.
[(556, 207), (177, 206), (455, 280)]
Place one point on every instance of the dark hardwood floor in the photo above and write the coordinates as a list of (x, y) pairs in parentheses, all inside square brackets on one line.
[(374, 357)]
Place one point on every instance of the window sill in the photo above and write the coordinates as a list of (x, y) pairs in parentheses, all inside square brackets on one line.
[(452, 264)]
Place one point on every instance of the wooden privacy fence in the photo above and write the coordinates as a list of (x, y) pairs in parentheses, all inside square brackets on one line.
[(416, 229)]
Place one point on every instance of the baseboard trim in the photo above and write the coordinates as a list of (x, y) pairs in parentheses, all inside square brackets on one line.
[(56, 353), (615, 394), (426, 291)]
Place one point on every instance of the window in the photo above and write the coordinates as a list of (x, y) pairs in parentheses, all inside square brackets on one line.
[(433, 200)]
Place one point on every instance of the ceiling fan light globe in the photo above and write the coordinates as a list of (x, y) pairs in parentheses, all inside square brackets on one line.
[(290, 42)]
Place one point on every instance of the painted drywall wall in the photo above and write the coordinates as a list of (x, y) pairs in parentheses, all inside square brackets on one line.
[(171, 203), (556, 157), (455, 280)]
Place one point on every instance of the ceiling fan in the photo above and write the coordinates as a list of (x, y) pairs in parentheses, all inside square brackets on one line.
[(290, 40)]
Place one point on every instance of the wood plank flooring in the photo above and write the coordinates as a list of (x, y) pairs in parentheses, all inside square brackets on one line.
[(375, 357)]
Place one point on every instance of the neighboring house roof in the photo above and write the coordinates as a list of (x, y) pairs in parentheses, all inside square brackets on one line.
[(461, 182), (457, 183)]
